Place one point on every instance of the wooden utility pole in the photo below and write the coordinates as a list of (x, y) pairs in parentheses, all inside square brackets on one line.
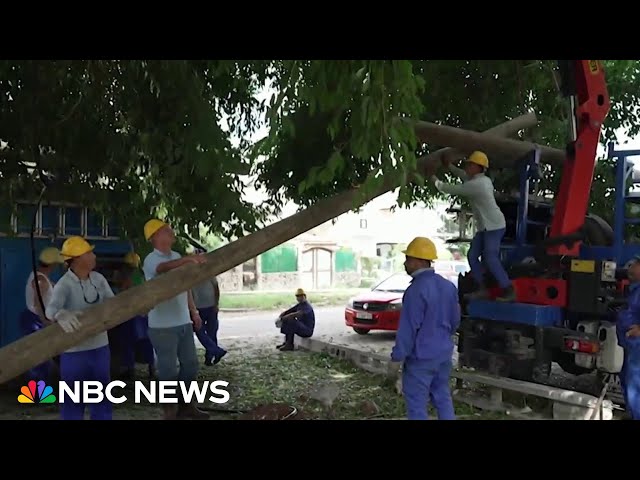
[(29, 351)]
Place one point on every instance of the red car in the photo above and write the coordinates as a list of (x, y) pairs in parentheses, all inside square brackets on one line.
[(380, 308)]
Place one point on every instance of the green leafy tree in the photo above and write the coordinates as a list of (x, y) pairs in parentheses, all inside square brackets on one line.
[(141, 138)]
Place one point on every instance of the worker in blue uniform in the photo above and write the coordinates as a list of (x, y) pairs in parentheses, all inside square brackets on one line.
[(33, 318), (78, 289), (628, 331), (206, 297), (298, 320), (424, 344), (131, 336)]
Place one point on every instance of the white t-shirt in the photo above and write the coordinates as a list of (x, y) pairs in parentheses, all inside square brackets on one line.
[(31, 295)]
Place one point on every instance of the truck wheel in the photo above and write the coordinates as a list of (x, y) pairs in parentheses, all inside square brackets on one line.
[(360, 331)]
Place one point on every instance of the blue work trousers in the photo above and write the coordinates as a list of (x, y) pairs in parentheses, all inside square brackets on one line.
[(129, 336), (630, 377), (486, 244), (296, 327), (82, 366), (208, 333), (175, 345), (30, 323), (424, 381)]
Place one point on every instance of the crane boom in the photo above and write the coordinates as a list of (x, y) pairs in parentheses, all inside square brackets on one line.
[(585, 80)]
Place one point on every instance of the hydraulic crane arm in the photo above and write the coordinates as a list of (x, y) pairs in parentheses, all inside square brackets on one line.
[(584, 81)]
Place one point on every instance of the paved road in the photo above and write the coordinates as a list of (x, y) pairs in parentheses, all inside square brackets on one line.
[(329, 320)]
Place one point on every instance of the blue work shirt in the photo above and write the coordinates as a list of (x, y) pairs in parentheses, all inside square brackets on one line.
[(629, 316), (306, 316), (204, 294), (175, 311), (430, 317)]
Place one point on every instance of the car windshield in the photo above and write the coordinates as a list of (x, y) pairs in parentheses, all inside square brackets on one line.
[(395, 283)]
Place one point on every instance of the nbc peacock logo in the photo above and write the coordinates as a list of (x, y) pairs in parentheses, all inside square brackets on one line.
[(34, 392)]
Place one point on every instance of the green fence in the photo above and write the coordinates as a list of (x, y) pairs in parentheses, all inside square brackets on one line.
[(280, 260), (346, 261)]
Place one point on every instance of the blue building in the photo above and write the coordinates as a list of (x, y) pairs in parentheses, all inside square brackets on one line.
[(55, 222)]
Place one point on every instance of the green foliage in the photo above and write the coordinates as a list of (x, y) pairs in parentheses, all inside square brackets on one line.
[(137, 138)]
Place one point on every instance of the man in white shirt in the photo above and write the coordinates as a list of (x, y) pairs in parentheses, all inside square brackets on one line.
[(90, 360), (477, 189), (33, 318), (172, 322)]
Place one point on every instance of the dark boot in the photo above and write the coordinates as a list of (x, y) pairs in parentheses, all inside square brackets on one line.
[(217, 358), (288, 344), (508, 295), (481, 294), (282, 344)]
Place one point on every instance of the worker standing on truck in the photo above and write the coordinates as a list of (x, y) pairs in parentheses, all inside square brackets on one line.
[(628, 331), (206, 297), (78, 289), (478, 189), (33, 318), (172, 322), (424, 342), (298, 320)]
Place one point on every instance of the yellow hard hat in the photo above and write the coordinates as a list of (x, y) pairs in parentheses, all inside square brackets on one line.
[(300, 292), (74, 247), (422, 248), (479, 158), (51, 256), (133, 259), (152, 226)]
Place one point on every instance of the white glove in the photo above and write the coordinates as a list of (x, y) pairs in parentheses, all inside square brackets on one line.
[(278, 323), (67, 320)]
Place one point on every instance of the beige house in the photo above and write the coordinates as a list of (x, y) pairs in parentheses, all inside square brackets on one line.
[(371, 232)]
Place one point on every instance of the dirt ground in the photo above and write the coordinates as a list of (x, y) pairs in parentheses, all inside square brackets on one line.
[(270, 385)]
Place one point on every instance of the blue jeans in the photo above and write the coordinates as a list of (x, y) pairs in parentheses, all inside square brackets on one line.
[(208, 333), (173, 345), (82, 366), (486, 244), (427, 380)]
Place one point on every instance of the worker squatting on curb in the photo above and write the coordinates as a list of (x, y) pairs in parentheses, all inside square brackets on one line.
[(478, 189), (424, 341), (298, 320), (78, 289), (172, 322), (628, 331)]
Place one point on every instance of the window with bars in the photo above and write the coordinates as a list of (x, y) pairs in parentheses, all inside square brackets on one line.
[(56, 220)]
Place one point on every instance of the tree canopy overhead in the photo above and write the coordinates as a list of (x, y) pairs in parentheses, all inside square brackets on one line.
[(173, 136)]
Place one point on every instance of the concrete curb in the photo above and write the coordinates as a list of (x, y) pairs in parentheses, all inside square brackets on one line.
[(567, 404)]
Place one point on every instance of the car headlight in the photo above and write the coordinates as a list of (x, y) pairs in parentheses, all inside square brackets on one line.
[(350, 303), (395, 305)]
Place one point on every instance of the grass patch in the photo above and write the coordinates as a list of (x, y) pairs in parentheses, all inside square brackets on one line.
[(272, 377), (281, 300), (263, 377)]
